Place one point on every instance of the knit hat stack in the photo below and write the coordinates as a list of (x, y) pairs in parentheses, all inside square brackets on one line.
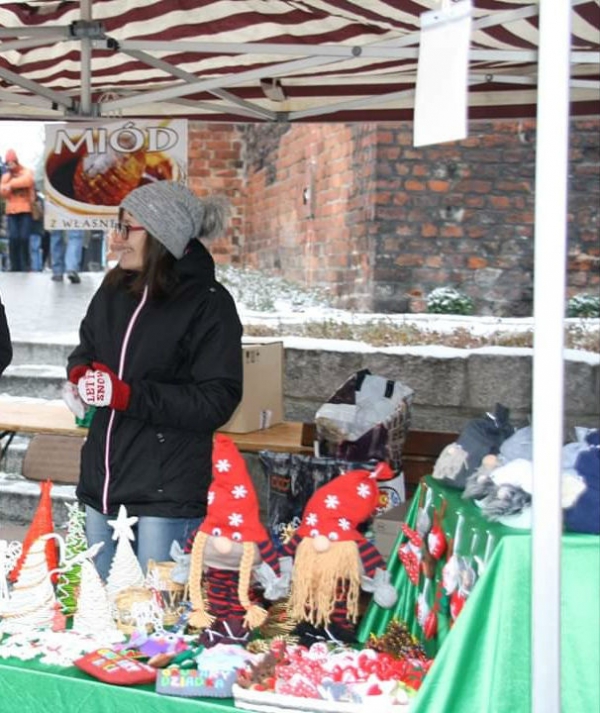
[(169, 211)]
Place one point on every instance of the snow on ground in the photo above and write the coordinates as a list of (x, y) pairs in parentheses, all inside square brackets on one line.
[(40, 310)]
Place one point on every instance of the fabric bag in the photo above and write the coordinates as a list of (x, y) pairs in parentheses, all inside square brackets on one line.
[(367, 418), (292, 479)]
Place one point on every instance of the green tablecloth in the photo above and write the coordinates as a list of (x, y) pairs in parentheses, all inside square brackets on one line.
[(483, 663), (32, 687), (476, 533)]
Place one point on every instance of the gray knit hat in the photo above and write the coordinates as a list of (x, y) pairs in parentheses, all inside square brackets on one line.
[(169, 211)]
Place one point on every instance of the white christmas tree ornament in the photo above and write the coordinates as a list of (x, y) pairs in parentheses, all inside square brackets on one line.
[(125, 570)]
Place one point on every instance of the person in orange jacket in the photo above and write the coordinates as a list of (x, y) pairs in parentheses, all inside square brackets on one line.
[(17, 187)]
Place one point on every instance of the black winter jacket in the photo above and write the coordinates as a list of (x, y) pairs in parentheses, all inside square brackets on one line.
[(183, 362), (6, 350)]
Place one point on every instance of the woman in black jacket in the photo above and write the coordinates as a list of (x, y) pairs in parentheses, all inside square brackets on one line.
[(160, 358), (6, 350)]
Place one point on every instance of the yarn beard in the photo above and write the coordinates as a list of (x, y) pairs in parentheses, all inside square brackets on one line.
[(200, 617), (322, 579)]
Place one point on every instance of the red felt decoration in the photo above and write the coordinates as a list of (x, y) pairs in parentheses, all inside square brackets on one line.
[(413, 536), (42, 524), (430, 626), (411, 559), (116, 668), (457, 602)]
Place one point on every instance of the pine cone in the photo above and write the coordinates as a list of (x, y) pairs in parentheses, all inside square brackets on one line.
[(397, 641)]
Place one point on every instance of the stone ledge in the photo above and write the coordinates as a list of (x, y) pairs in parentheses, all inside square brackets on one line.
[(451, 385)]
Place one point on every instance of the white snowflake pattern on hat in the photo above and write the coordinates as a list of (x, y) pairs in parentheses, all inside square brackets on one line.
[(223, 466), (363, 490), (235, 519), (239, 491), (332, 502), (210, 499), (311, 519), (344, 524)]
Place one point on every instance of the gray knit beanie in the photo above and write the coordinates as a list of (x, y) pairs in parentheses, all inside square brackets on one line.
[(169, 211)]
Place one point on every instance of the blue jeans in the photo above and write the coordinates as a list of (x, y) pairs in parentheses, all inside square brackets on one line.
[(66, 257), (35, 252), (153, 537), (19, 229)]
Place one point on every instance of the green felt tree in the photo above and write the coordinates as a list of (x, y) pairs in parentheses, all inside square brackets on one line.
[(75, 543)]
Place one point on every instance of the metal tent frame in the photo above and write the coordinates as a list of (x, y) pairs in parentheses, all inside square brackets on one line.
[(338, 60)]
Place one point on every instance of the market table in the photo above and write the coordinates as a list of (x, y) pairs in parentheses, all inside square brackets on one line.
[(483, 660)]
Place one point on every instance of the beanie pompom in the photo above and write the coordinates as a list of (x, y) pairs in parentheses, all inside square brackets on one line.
[(216, 215)]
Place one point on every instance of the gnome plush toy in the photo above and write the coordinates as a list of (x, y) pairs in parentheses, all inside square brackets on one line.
[(333, 560), (228, 544)]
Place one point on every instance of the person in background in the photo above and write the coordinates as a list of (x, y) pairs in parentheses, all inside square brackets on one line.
[(45, 249), (66, 248), (17, 187), (160, 359), (36, 260), (6, 350)]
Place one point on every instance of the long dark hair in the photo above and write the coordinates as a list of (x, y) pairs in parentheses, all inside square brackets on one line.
[(158, 272)]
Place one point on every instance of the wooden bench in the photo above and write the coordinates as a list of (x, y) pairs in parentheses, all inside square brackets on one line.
[(59, 456), (420, 451), (56, 419)]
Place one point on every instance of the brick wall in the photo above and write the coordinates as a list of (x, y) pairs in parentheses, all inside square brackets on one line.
[(355, 208), (462, 214), (215, 165)]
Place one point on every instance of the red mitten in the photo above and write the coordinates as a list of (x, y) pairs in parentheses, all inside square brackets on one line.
[(120, 390), (77, 372), (102, 387)]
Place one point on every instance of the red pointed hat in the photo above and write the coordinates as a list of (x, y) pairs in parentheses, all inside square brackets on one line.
[(233, 509), (42, 524), (336, 509)]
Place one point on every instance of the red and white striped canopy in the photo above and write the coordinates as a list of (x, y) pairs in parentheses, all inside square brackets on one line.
[(246, 60)]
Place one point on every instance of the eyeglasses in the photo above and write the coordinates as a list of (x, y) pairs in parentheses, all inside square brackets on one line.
[(123, 229)]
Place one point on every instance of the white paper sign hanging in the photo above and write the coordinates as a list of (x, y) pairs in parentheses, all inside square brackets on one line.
[(442, 74)]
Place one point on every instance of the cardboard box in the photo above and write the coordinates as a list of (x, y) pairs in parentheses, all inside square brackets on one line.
[(262, 403), (387, 526)]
